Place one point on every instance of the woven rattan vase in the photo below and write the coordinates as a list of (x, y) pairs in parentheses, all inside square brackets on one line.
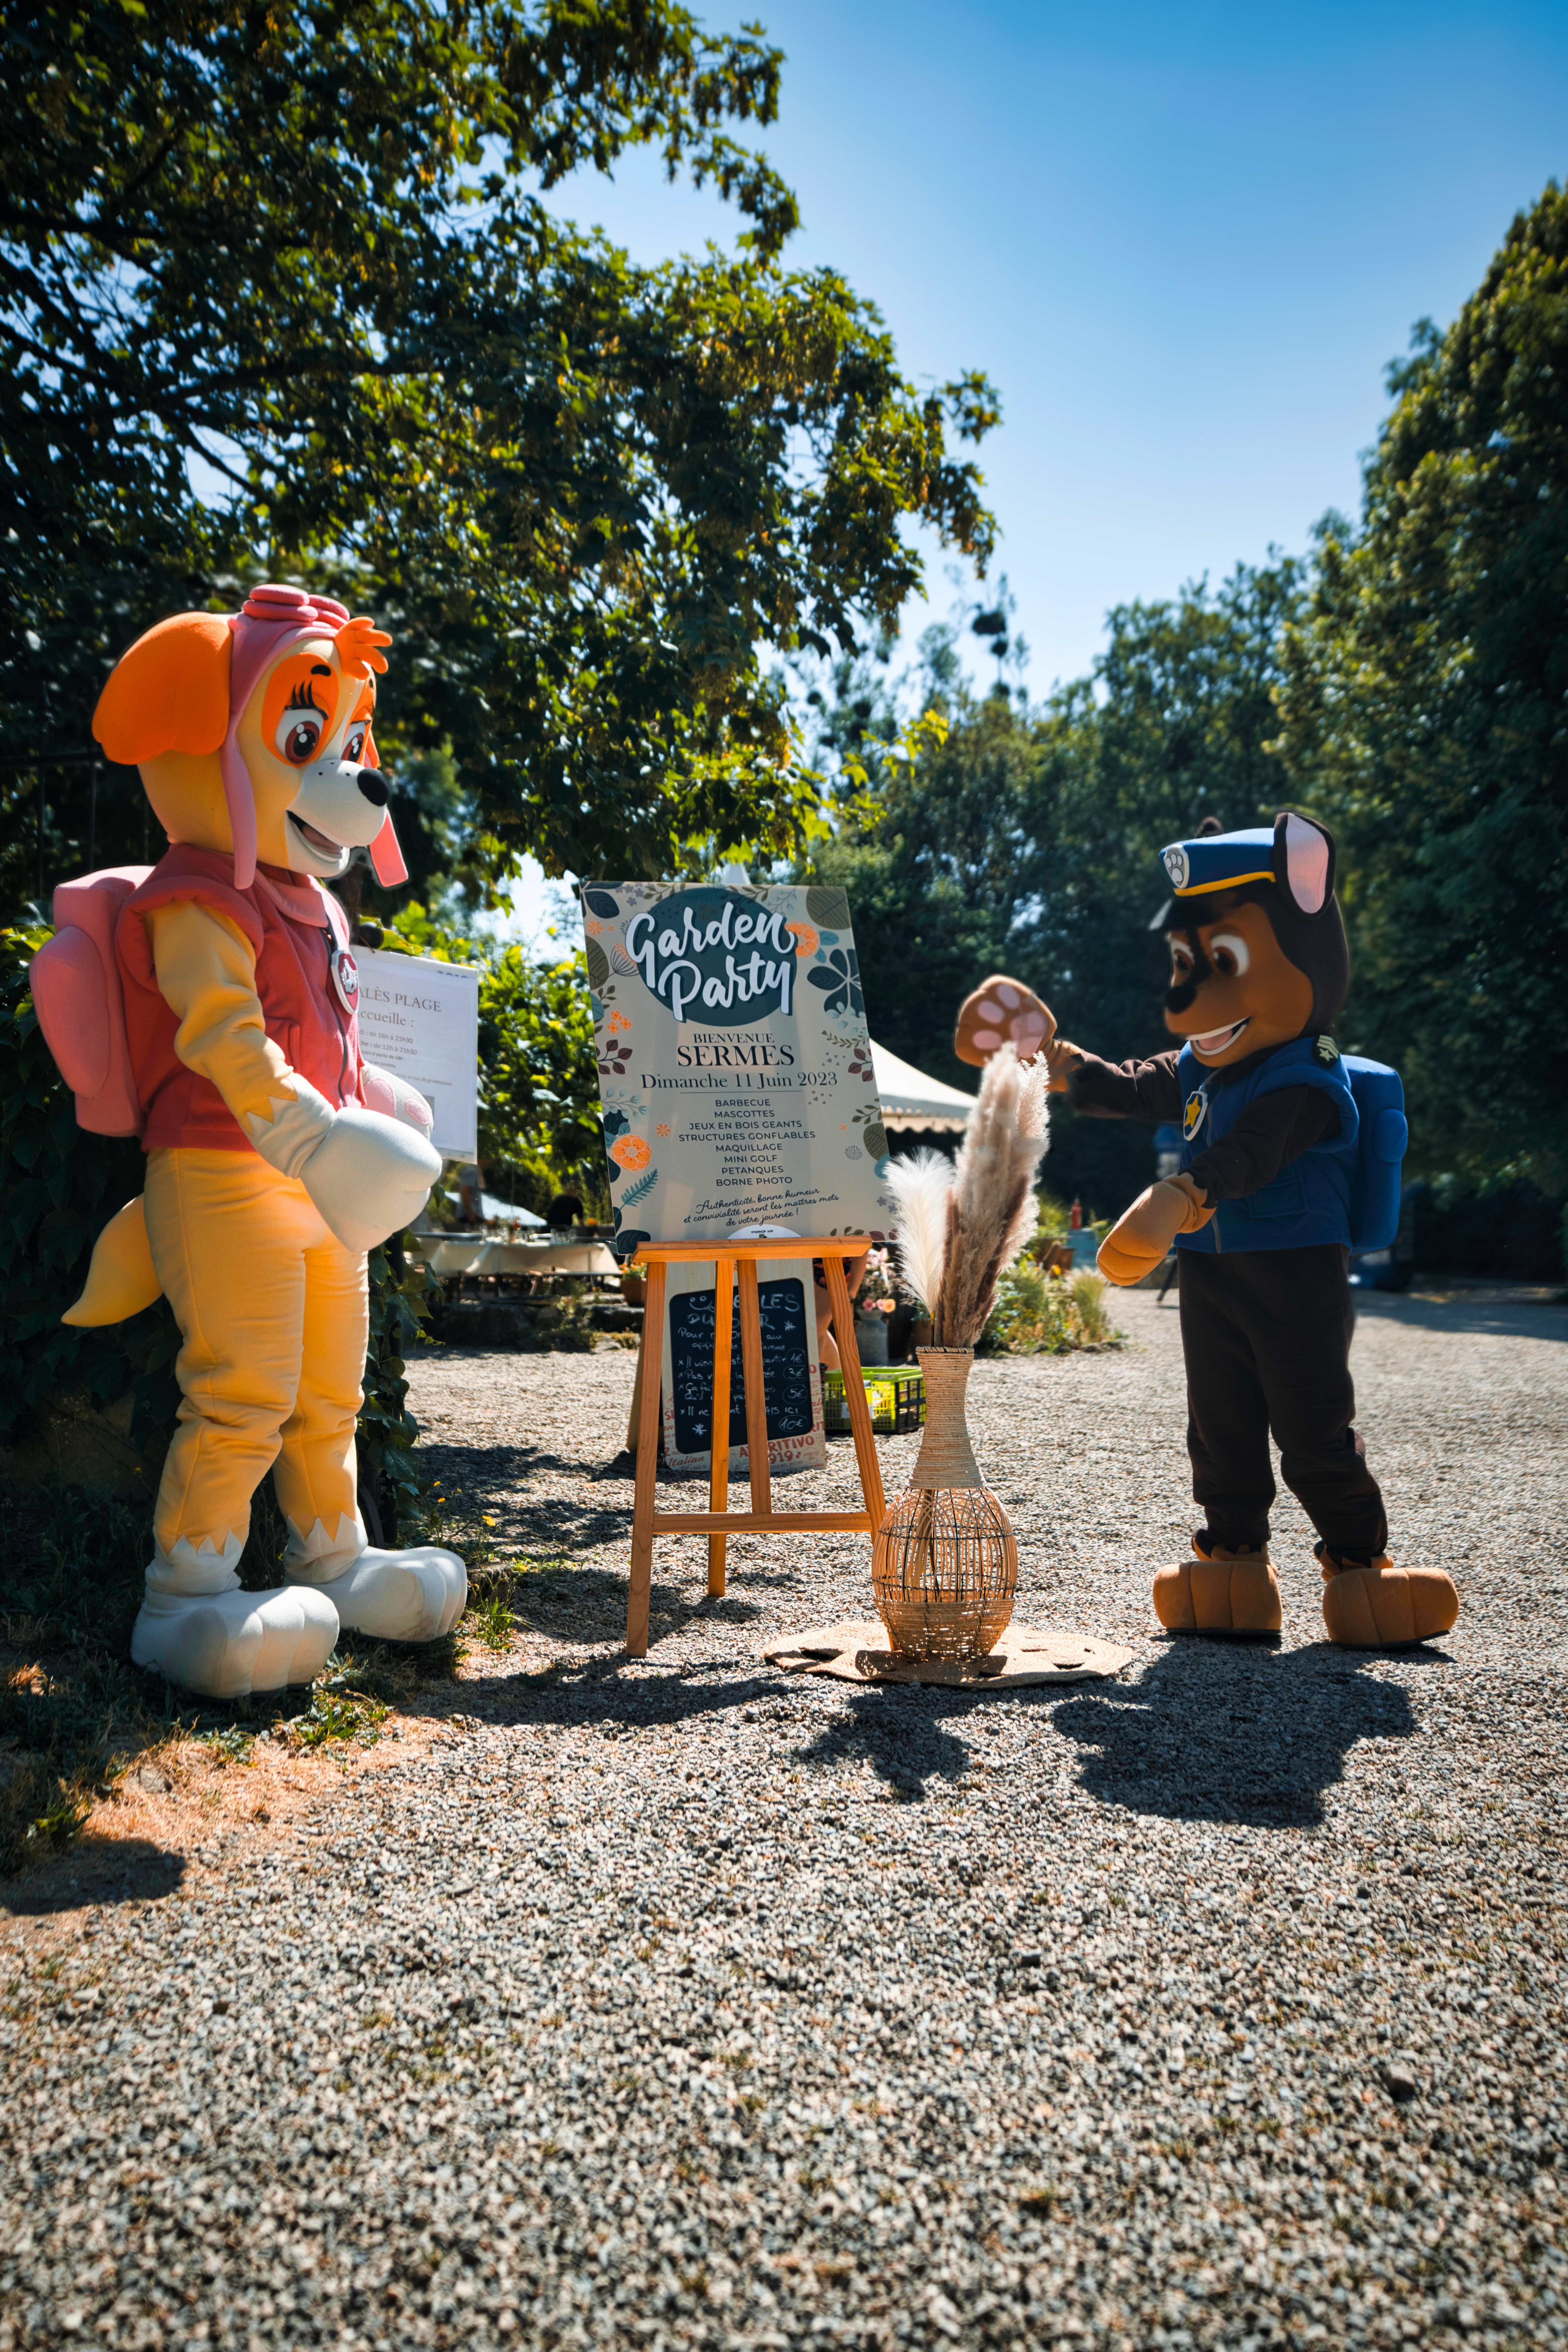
[(944, 1567)]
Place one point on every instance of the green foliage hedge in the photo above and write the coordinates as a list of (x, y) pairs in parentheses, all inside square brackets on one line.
[(60, 1188), (539, 1132)]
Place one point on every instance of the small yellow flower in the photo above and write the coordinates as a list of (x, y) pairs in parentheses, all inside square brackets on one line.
[(487, 1521)]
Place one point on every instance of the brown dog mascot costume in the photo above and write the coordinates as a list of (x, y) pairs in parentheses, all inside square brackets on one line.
[(1260, 1214)]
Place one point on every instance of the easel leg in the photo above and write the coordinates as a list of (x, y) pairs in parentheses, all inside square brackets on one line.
[(634, 1418), (647, 1465), (855, 1391), (756, 1401), (719, 1473)]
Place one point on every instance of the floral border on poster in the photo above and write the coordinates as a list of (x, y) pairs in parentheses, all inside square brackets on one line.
[(827, 966)]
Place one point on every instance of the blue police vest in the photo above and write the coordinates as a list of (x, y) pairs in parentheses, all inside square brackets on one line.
[(1310, 1200)]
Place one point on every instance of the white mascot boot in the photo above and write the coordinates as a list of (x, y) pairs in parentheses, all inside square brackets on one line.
[(396, 1596), (223, 1642)]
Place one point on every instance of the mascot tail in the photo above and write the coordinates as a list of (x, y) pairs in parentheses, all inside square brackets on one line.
[(121, 1280)]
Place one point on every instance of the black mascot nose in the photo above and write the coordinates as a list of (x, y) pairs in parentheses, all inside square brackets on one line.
[(373, 784)]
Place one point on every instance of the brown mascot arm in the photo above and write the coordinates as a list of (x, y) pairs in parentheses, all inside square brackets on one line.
[(1269, 1134), (1142, 1236)]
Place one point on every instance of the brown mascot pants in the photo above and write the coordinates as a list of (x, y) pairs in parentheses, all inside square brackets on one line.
[(1266, 1337)]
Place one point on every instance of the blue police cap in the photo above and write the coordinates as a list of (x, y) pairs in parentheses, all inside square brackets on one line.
[(1220, 861)]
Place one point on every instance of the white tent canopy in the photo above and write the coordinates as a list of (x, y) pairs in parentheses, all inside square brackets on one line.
[(910, 1099)]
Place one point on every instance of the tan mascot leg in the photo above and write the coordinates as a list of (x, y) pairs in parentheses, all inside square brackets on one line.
[(273, 1335), (227, 1239), (411, 1595)]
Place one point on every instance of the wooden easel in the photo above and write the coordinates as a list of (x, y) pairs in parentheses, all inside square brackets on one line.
[(733, 1262)]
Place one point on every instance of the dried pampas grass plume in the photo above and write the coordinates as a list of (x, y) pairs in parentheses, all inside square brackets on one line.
[(922, 1186), (990, 1207)]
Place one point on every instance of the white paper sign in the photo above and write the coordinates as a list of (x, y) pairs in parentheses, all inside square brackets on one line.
[(420, 1019), (734, 1068)]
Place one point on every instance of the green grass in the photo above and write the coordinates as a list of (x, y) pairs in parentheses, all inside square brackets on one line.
[(337, 1711), (76, 1715), (493, 1622)]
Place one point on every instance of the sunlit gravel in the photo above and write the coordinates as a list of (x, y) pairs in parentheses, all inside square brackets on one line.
[(686, 2002)]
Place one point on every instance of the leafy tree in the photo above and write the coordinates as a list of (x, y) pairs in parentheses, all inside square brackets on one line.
[(539, 1099), (1424, 713), (1029, 839), (1176, 724), (936, 868), (308, 248)]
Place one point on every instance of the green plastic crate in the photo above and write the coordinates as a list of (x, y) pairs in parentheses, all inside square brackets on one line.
[(895, 1392)]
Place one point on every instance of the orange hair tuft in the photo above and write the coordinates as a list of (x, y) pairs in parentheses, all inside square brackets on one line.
[(169, 692), (359, 644)]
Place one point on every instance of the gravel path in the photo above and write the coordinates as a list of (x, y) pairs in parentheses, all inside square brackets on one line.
[(686, 2003)]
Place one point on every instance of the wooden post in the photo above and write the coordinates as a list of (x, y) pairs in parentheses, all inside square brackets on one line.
[(854, 1390), (756, 1401), (738, 1267), (647, 1465), (719, 1472)]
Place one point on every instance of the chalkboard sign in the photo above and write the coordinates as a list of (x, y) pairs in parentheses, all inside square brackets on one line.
[(787, 1368)]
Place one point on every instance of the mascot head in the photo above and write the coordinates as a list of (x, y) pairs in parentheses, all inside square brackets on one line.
[(1258, 943), (252, 731)]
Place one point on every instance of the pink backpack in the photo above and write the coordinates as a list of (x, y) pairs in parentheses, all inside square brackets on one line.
[(77, 996)]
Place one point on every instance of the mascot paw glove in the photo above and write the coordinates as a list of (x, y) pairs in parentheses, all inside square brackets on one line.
[(386, 1092), (1142, 1238), (368, 1175)]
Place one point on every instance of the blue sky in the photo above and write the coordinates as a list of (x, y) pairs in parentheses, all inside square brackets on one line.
[(1182, 241)]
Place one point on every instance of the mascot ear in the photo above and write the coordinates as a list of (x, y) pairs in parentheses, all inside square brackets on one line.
[(1303, 862), (169, 693)]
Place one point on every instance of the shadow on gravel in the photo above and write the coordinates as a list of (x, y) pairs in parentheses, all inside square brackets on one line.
[(902, 1734), (589, 1604), (1232, 1734), (93, 1870), (1502, 1318)]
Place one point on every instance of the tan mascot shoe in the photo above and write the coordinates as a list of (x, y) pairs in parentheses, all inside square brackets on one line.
[(1382, 1607), (1218, 1591)]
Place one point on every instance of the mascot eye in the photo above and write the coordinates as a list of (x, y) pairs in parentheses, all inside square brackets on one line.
[(355, 740), (1181, 961), (298, 734), (1229, 953)]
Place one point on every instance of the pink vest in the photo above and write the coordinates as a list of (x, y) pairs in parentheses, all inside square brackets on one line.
[(297, 929)]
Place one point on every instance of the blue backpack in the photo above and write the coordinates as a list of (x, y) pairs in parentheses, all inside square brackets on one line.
[(1384, 1133)]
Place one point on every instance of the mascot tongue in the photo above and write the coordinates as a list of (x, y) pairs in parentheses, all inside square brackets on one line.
[(387, 858)]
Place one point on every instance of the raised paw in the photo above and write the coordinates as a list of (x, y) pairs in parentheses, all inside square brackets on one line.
[(998, 1011)]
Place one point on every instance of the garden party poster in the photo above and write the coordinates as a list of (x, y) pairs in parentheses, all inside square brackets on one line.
[(734, 1065)]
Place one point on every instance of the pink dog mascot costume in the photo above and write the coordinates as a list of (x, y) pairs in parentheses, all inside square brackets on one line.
[(209, 1004)]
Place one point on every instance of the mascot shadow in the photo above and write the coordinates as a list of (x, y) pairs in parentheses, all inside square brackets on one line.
[(96, 1870), (1246, 1732), (1251, 1735), (560, 1519)]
